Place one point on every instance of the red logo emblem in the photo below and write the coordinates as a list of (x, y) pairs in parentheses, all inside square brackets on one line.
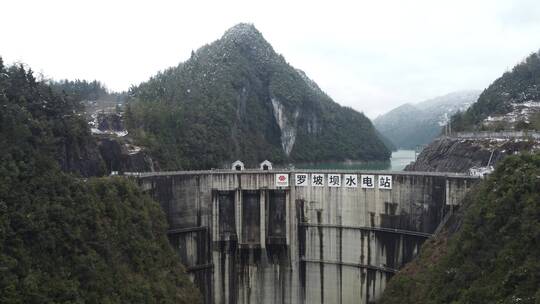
[(281, 178)]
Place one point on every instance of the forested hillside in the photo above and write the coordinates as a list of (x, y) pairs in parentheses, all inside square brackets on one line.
[(510, 102), (488, 253), (35, 117), (67, 239), (236, 98), (81, 89)]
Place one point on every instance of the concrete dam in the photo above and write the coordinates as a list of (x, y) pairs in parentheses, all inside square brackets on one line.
[(309, 236)]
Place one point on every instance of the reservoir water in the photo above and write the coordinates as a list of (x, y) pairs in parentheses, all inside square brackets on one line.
[(400, 159), (397, 162)]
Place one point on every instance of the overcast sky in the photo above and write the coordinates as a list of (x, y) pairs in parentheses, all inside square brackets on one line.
[(370, 55)]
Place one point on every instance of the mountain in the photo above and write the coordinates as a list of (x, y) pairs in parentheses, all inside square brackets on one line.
[(488, 251), (390, 125), (68, 239), (510, 102), (443, 107), (410, 125), (236, 98)]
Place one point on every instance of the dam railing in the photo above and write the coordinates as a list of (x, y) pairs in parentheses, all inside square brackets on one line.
[(501, 134)]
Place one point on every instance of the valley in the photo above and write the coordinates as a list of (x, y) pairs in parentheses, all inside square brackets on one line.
[(231, 176)]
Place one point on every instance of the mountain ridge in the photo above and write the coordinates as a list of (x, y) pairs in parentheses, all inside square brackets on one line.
[(410, 125), (512, 101), (236, 98)]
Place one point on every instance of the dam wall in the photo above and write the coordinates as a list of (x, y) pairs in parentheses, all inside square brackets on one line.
[(310, 236)]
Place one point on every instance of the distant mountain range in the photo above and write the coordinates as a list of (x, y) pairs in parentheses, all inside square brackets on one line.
[(511, 102), (236, 98), (467, 262), (410, 125)]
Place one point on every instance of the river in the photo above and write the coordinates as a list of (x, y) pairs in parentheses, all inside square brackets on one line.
[(397, 162)]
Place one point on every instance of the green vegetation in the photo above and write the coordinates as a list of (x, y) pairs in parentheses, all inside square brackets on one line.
[(80, 89), (220, 105), (98, 241), (83, 90), (493, 256), (517, 86), (65, 239), (35, 118), (386, 141)]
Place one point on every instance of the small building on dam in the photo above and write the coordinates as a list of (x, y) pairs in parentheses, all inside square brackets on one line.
[(300, 236)]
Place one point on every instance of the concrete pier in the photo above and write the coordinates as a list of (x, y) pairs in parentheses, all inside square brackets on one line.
[(258, 237)]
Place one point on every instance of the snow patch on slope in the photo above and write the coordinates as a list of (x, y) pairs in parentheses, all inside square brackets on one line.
[(520, 112)]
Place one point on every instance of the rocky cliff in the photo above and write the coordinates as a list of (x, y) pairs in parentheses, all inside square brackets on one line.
[(460, 154), (122, 156), (114, 145), (510, 103), (81, 156)]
